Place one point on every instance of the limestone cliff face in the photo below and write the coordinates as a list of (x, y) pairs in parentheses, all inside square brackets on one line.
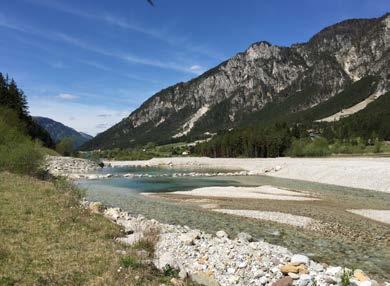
[(311, 72)]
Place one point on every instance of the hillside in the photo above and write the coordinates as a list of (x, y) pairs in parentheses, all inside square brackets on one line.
[(59, 131), (263, 83)]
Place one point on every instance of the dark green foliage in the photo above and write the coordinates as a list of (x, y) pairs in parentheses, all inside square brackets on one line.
[(13, 98), (259, 141)]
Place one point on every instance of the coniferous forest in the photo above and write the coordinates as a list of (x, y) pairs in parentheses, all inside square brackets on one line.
[(13, 98), (368, 127)]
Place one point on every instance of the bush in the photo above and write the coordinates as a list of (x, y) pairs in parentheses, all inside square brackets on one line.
[(130, 261), (65, 146), (18, 153), (318, 147)]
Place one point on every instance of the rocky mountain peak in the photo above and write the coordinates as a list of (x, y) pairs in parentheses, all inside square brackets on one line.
[(297, 77)]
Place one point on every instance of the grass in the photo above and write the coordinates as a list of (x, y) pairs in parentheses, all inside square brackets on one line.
[(48, 239)]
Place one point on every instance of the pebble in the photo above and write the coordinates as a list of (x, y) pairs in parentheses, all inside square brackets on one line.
[(221, 234), (217, 260)]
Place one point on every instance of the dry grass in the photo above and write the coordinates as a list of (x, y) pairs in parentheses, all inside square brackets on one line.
[(48, 239)]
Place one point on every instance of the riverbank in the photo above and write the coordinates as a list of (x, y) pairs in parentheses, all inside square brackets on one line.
[(220, 260), (306, 217), (47, 238), (355, 172)]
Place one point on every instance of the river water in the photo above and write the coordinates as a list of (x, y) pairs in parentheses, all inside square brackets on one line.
[(126, 193)]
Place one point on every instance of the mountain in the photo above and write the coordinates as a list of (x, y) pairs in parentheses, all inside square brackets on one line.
[(264, 83), (59, 131)]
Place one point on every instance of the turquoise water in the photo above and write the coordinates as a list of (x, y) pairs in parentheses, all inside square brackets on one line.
[(125, 193)]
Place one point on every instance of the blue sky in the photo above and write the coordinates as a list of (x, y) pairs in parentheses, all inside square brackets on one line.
[(90, 63)]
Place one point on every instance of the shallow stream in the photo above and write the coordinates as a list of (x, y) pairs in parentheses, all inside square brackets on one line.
[(369, 252)]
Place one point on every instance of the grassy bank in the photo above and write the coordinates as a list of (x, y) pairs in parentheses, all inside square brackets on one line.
[(48, 239)]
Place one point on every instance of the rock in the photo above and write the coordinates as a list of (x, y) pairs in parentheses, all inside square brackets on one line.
[(131, 238), (96, 207), (221, 234), (305, 280), (278, 168), (233, 280), (263, 280), (176, 282), (244, 237), (374, 283), (231, 270), (298, 259), (113, 213), (210, 260), (293, 275), (183, 274), (285, 281), (165, 259), (334, 271), (275, 261), (360, 275), (290, 268), (204, 278), (188, 238)]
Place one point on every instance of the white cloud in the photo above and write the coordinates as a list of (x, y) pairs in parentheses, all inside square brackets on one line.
[(67, 96), (82, 117), (197, 69)]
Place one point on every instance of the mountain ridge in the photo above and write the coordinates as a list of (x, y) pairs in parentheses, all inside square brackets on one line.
[(312, 72), (58, 131)]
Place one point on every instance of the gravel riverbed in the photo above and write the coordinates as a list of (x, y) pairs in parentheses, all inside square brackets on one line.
[(220, 260)]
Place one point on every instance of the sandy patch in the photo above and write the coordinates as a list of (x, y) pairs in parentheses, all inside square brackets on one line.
[(209, 206), (378, 215), (353, 109), (295, 220), (262, 192)]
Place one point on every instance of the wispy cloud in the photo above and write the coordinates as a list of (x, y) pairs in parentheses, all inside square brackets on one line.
[(67, 96), (159, 34), (126, 57), (57, 65)]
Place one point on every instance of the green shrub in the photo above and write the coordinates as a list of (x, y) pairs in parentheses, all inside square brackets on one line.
[(378, 146), (65, 146), (130, 261), (345, 278), (169, 271), (18, 153), (310, 148)]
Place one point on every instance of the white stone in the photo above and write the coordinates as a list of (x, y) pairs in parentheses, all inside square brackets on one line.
[(298, 259), (221, 234)]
